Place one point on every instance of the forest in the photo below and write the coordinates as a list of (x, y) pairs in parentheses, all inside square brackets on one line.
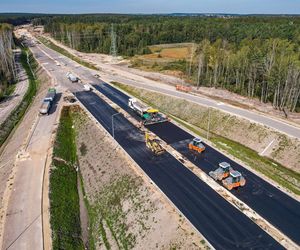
[(7, 62), (256, 56)]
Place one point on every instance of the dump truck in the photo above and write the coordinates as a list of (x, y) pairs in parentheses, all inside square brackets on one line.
[(234, 180), (153, 143), (72, 77), (50, 95), (47, 101), (196, 145), (222, 172), (183, 88), (149, 115)]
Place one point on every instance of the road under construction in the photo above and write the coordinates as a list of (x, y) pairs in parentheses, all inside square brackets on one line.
[(268, 201), (222, 224)]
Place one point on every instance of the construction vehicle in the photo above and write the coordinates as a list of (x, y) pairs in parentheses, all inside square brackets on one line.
[(48, 101), (196, 145), (149, 115), (234, 180), (222, 172), (50, 95), (153, 143), (72, 77), (183, 88)]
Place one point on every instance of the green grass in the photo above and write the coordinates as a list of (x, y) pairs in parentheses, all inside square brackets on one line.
[(63, 195), (273, 170), (16, 115), (64, 52)]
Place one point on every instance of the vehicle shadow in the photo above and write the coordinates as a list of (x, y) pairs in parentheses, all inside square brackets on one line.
[(55, 103)]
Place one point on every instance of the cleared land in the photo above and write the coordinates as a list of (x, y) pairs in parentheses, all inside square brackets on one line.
[(226, 130), (125, 212)]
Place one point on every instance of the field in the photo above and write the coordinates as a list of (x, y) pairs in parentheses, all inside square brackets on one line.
[(169, 58)]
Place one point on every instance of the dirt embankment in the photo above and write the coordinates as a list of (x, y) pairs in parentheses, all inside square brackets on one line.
[(125, 211), (284, 149)]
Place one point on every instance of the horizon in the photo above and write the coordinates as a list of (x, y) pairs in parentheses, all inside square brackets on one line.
[(132, 7), (154, 13)]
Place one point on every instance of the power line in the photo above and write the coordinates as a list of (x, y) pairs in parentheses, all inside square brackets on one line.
[(113, 46)]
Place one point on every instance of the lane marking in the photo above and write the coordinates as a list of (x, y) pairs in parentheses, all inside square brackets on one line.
[(262, 153)]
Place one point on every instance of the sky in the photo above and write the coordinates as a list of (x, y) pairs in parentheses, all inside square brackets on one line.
[(152, 6)]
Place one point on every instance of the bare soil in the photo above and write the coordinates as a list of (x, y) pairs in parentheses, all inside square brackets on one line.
[(127, 211)]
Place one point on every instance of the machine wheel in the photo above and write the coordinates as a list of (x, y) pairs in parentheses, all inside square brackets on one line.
[(242, 183)]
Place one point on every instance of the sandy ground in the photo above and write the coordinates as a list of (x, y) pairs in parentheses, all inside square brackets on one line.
[(8, 105), (150, 221), (12, 150)]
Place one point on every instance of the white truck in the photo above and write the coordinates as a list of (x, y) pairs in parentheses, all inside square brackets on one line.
[(138, 107), (149, 115)]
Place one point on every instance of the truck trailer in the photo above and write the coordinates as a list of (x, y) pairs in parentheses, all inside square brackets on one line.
[(149, 115)]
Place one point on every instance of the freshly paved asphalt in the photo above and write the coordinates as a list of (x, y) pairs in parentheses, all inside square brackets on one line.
[(223, 225), (274, 205)]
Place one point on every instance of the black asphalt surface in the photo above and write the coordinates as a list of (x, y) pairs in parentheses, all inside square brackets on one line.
[(224, 226), (274, 205)]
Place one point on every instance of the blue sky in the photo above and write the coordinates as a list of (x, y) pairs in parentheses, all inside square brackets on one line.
[(152, 6)]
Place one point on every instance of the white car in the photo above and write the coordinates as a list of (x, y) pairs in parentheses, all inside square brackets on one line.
[(87, 87)]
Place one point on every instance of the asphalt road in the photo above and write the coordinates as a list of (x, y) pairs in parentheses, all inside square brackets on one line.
[(253, 116), (223, 225), (272, 204)]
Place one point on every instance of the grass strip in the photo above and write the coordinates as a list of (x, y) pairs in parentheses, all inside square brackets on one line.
[(64, 52), (17, 114), (278, 173), (64, 197)]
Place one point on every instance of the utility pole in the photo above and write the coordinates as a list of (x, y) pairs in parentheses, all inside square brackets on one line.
[(191, 60), (113, 46), (208, 124)]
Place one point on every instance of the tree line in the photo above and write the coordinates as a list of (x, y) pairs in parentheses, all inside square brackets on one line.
[(7, 62), (257, 56)]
